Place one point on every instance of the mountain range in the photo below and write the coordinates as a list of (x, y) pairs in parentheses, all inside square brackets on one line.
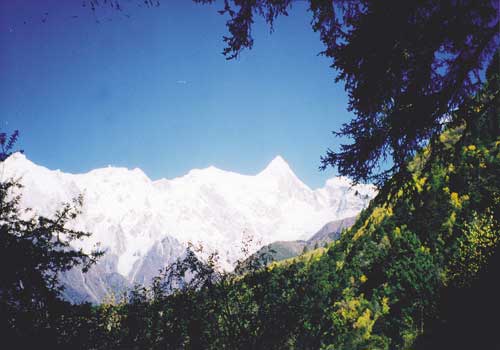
[(144, 224)]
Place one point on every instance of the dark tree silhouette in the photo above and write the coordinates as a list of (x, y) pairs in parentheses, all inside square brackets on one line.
[(33, 251), (405, 64)]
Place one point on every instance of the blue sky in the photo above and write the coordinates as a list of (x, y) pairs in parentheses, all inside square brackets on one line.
[(154, 91)]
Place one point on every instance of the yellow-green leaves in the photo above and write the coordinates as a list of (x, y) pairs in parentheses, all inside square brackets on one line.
[(480, 238), (365, 323), (377, 216)]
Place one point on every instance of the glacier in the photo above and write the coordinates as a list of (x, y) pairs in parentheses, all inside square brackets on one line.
[(144, 224)]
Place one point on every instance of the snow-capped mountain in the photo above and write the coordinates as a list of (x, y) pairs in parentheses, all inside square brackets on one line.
[(145, 224)]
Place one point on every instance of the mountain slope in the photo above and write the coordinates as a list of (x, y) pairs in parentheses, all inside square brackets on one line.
[(144, 224), (281, 250)]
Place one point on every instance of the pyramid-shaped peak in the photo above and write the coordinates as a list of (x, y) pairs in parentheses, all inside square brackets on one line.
[(278, 166), (278, 161)]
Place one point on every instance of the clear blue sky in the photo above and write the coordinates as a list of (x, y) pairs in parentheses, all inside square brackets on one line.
[(154, 91)]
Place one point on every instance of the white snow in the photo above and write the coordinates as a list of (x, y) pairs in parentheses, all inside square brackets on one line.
[(128, 213)]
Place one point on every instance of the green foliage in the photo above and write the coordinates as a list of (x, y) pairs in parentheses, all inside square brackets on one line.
[(33, 251)]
